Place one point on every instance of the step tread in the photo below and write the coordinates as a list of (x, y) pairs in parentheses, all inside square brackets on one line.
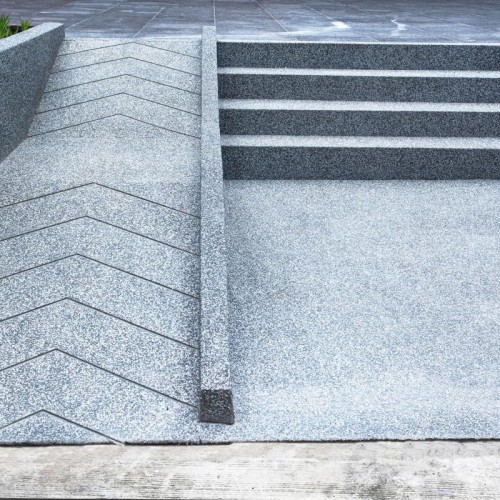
[(292, 141), (309, 105), (358, 72)]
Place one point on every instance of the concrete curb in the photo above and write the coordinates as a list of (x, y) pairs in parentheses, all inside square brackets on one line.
[(25, 63), (215, 381)]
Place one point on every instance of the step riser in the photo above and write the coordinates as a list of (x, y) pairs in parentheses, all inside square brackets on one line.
[(359, 123), (356, 88), (358, 56), (359, 163)]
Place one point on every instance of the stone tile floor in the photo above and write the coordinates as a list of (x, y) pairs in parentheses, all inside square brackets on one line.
[(359, 20)]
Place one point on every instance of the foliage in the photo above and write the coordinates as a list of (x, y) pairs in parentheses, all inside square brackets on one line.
[(6, 29)]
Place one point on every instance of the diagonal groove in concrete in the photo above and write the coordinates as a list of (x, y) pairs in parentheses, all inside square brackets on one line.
[(153, 55), (144, 357), (89, 257), (120, 293), (103, 186), (100, 312), (114, 77), (127, 58), (124, 66), (117, 93), (60, 417), (111, 116), (95, 398), (64, 353), (101, 222), (122, 103)]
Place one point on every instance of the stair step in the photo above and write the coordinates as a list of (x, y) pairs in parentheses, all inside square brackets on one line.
[(317, 157), (292, 141), (421, 56), (358, 72), (346, 118), (307, 105), (359, 85)]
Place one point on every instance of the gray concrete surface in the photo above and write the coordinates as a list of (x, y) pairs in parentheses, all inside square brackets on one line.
[(26, 61), (215, 369), (364, 310), (334, 20), (100, 252), (268, 471)]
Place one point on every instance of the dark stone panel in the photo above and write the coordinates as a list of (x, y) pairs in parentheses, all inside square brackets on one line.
[(357, 88), (362, 123), (359, 56), (359, 163)]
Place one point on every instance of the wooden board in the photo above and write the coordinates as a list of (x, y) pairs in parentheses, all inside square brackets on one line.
[(373, 470)]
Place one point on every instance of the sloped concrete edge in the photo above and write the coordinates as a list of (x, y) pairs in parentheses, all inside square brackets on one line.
[(216, 402), (26, 60)]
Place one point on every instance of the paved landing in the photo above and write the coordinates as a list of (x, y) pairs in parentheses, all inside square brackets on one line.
[(99, 229), (357, 20), (364, 309)]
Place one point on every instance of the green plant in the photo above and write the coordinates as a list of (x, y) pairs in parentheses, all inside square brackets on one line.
[(25, 25), (5, 30)]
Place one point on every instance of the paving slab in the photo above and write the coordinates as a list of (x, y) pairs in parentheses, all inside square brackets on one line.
[(311, 20)]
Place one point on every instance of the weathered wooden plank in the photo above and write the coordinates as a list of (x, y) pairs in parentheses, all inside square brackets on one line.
[(372, 470)]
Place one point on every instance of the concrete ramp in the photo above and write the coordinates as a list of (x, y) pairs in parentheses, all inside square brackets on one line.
[(100, 254)]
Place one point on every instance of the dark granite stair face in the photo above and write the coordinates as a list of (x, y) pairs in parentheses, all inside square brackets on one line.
[(348, 119), (359, 111), (370, 56)]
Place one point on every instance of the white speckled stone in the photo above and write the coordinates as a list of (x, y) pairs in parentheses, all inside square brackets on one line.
[(144, 110), (127, 66), (121, 249), (120, 209), (131, 298), (95, 399), (44, 428), (100, 255), (158, 165), (131, 85), (103, 340), (364, 310), (146, 53)]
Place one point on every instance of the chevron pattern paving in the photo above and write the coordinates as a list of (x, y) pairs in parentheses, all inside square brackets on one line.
[(99, 251)]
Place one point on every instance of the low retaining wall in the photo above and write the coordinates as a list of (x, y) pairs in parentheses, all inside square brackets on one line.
[(216, 403), (25, 63)]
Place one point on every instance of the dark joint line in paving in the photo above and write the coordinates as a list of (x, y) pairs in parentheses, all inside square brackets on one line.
[(113, 440), (120, 76), (113, 95)]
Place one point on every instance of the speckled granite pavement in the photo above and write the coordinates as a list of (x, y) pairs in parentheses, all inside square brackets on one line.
[(100, 251), (357, 309)]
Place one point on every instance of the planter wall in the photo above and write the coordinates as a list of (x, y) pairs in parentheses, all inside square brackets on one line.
[(25, 63)]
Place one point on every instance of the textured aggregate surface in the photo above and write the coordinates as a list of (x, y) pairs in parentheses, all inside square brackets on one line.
[(215, 378), (99, 251), (364, 310), (25, 63)]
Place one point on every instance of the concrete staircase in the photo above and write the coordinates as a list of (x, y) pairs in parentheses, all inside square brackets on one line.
[(359, 111)]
